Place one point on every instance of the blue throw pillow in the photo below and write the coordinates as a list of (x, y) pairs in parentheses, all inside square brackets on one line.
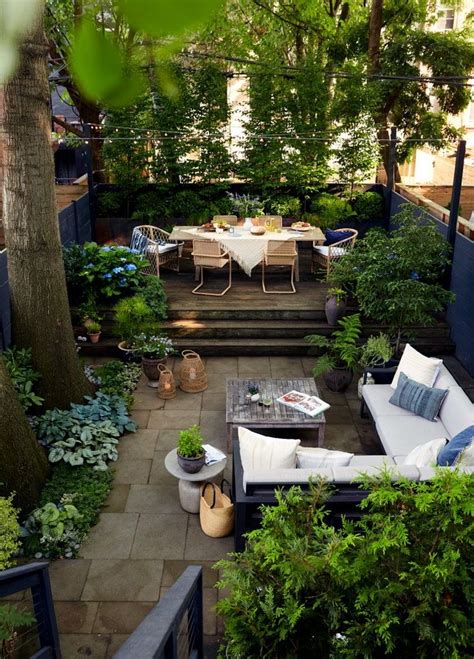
[(335, 236), (449, 453), (418, 398)]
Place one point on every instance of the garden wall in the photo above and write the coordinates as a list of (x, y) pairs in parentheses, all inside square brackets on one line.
[(74, 227), (460, 314)]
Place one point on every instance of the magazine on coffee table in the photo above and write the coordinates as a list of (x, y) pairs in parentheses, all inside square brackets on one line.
[(311, 405)]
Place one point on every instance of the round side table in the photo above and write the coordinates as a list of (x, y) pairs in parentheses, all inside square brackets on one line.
[(189, 485)]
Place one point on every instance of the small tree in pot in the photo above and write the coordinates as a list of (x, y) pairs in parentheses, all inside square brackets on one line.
[(191, 454), (336, 304), (376, 355), (153, 350), (342, 354), (133, 316)]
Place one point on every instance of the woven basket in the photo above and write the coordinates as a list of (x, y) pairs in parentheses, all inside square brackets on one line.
[(192, 375), (166, 385), (216, 511)]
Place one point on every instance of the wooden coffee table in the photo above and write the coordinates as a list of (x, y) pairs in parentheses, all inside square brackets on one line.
[(253, 415)]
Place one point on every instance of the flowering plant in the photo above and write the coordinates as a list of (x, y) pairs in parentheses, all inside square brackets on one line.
[(245, 205), (153, 347), (102, 271)]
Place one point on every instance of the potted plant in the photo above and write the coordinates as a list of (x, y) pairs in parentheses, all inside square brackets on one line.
[(190, 452), (93, 328), (154, 350), (342, 354), (247, 207), (336, 303), (376, 360), (133, 316)]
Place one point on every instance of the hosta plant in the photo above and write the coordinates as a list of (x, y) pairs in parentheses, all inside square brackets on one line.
[(51, 531), (93, 443)]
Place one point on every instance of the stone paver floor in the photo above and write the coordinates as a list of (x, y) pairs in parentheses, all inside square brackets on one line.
[(144, 540)]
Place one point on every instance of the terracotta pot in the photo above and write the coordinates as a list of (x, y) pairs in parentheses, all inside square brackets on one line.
[(191, 465), (334, 310), (94, 338), (150, 368), (338, 379)]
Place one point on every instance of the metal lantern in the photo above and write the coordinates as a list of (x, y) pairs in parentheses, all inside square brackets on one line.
[(166, 384), (192, 375)]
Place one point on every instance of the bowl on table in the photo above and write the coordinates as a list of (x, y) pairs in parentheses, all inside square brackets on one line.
[(257, 230)]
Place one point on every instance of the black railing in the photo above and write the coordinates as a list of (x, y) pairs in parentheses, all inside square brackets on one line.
[(44, 634), (174, 627)]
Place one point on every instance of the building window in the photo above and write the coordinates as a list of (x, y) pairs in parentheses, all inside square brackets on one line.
[(445, 19)]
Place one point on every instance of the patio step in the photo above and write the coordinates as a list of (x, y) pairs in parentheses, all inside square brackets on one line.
[(244, 314)]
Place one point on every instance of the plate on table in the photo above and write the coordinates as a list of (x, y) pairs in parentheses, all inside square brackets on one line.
[(300, 226)]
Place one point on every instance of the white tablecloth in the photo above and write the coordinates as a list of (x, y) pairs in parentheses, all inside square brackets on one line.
[(245, 248)]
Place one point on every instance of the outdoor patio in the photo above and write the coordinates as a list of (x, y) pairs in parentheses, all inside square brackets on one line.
[(144, 540)]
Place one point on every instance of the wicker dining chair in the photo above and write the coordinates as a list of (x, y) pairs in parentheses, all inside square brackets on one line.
[(280, 253), (277, 220), (229, 219), (324, 256), (210, 254), (157, 248)]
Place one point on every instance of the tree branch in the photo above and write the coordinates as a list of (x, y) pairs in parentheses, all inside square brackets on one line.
[(300, 26), (69, 127)]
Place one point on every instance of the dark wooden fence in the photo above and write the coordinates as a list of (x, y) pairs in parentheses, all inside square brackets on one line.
[(74, 227)]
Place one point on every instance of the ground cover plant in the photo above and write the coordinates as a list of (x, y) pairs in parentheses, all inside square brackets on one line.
[(397, 583), (9, 532), (23, 376)]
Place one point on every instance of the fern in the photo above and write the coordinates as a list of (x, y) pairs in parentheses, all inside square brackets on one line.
[(341, 349)]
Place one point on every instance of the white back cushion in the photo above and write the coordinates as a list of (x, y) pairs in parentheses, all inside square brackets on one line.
[(457, 411), (261, 452), (314, 458), (426, 454), (417, 367)]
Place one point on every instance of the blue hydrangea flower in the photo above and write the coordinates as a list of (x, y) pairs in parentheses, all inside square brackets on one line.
[(106, 248), (414, 275), (117, 270), (107, 276), (130, 266), (134, 251), (122, 282)]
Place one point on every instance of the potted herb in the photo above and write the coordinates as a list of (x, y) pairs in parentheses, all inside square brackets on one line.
[(254, 394), (93, 330), (190, 452), (336, 303), (342, 355), (133, 316), (376, 356), (154, 350)]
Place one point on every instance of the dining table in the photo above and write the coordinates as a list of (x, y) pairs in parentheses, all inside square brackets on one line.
[(246, 248)]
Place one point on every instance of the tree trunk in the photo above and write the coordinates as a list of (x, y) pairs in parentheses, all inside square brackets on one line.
[(40, 309), (23, 463)]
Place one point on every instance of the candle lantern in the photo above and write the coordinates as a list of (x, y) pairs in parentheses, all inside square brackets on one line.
[(166, 384), (192, 374)]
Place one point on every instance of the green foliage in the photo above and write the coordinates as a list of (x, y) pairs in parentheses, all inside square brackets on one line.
[(133, 316), (51, 531), (357, 153), (376, 351), (244, 205), (397, 583), (115, 377), (190, 442), (11, 619), (341, 349), (367, 206), (10, 530), (331, 210), (87, 434), (283, 205), (23, 376), (151, 207), (102, 273), (109, 204), (93, 327), (396, 276), (152, 346), (339, 293)]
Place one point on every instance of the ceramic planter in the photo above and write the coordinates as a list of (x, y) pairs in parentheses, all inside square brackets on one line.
[(94, 338), (334, 309), (150, 369), (191, 465), (338, 379)]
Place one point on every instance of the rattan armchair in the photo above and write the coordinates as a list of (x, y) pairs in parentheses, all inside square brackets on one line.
[(228, 219), (210, 254), (324, 256), (280, 253), (157, 248)]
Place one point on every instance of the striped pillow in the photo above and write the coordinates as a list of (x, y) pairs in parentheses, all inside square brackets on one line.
[(418, 398)]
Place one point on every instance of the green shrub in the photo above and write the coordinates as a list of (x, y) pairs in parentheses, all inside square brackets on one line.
[(134, 316), (397, 583), (23, 376), (368, 206), (51, 531), (151, 208), (331, 210), (188, 204), (10, 531), (12, 618), (115, 377), (190, 442), (283, 205), (154, 294), (109, 204)]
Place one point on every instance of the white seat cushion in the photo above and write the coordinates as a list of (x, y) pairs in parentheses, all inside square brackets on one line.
[(261, 452), (335, 251), (371, 461), (168, 247), (417, 367), (351, 474), (444, 379), (401, 434), (376, 397)]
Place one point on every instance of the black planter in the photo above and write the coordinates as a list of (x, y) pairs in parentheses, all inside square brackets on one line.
[(191, 465), (338, 379), (334, 310), (383, 374)]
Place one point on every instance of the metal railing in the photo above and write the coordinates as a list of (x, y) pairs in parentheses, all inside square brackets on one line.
[(174, 627), (44, 634)]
